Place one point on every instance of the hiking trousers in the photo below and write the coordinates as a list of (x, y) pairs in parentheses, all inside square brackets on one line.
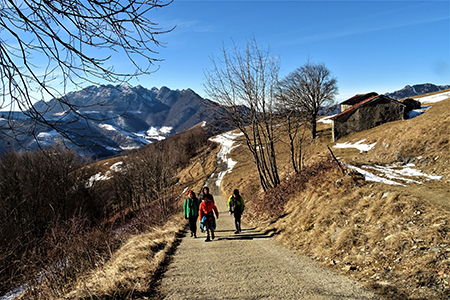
[(193, 224), (209, 228), (237, 221)]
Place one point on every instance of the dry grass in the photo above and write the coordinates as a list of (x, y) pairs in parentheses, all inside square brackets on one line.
[(372, 233), (200, 168), (132, 268), (394, 239)]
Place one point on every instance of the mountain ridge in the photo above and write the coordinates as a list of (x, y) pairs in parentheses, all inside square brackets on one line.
[(417, 90), (107, 120)]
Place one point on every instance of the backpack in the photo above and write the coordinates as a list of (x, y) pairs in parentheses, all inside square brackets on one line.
[(234, 205), (206, 217)]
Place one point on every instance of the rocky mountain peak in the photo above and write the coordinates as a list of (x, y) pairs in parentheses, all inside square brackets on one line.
[(417, 89)]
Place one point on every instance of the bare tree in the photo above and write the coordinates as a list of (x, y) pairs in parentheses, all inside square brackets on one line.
[(309, 88), (47, 46), (294, 120), (296, 127), (244, 83)]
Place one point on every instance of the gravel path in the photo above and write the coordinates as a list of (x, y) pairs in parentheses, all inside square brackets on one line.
[(249, 265)]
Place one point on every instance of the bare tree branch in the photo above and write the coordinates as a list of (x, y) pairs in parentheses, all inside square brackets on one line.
[(248, 78), (309, 88), (47, 46)]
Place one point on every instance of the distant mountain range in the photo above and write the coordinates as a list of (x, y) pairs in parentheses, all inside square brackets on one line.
[(416, 90), (106, 120)]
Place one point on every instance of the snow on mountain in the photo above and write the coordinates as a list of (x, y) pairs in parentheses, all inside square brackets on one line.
[(417, 89), (106, 120)]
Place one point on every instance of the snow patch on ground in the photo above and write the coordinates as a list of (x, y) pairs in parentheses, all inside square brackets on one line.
[(434, 98), (107, 127), (358, 145), (372, 177), (396, 172), (106, 176), (393, 174), (226, 140), (417, 112), (55, 268), (116, 167), (46, 136), (387, 174), (326, 120)]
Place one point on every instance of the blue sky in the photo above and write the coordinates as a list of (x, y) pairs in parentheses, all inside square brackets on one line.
[(368, 46)]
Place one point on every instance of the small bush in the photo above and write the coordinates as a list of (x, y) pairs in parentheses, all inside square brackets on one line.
[(270, 205)]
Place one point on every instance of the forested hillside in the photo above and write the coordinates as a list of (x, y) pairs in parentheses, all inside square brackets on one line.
[(64, 215)]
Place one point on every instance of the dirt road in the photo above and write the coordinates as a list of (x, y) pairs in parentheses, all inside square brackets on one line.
[(249, 265)]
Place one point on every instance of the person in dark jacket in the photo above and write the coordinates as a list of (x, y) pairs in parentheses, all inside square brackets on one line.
[(207, 194), (190, 208), (236, 208), (206, 217)]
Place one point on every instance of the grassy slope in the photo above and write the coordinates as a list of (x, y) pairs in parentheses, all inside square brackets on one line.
[(394, 239), (133, 268), (391, 238)]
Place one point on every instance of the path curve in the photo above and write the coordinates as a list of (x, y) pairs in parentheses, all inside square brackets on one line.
[(249, 265)]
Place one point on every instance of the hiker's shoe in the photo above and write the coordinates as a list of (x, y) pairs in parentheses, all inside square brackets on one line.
[(236, 232), (207, 240)]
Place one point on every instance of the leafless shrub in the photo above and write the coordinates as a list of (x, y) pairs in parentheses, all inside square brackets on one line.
[(36, 192), (271, 204), (50, 215)]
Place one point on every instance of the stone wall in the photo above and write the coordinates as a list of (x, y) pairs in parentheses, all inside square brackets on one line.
[(368, 115)]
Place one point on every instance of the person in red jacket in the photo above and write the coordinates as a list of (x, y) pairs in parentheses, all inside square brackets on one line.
[(206, 217)]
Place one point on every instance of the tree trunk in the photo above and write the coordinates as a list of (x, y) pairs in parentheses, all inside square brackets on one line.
[(313, 127)]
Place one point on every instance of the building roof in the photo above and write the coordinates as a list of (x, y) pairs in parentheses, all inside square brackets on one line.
[(358, 98), (361, 103)]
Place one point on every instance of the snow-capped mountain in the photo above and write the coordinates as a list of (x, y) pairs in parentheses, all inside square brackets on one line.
[(107, 120), (417, 89)]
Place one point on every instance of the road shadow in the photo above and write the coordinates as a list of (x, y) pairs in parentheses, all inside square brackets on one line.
[(246, 234), (232, 230)]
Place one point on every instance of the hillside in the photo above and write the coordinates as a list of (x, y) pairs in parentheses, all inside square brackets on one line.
[(393, 238)]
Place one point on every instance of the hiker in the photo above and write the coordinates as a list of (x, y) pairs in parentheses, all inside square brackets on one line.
[(236, 208), (190, 208), (207, 194), (206, 217)]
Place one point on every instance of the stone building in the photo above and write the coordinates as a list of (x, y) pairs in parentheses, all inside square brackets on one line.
[(356, 99), (366, 111)]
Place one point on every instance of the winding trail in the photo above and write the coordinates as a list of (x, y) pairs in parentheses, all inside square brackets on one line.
[(249, 265)]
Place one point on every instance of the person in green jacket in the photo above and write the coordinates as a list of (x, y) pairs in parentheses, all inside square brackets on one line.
[(236, 208), (190, 208)]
